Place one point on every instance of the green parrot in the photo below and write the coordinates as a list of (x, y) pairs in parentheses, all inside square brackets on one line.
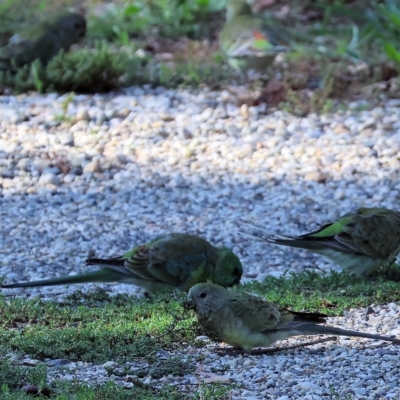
[(170, 261), (246, 321), (249, 42), (43, 41), (360, 241)]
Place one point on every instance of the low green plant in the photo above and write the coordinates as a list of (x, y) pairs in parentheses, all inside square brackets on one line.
[(192, 72), (165, 18), (105, 68), (213, 391), (86, 70), (383, 25), (372, 28), (13, 376), (64, 107)]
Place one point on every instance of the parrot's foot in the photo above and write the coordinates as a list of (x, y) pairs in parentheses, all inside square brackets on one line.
[(229, 351), (379, 346), (232, 351), (369, 310)]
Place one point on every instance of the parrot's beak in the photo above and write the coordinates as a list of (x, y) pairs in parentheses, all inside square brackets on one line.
[(83, 31), (237, 281), (189, 304)]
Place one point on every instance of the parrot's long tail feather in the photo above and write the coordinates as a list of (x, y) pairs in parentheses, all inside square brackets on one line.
[(272, 237), (117, 261), (102, 275), (267, 235), (288, 241), (284, 240), (327, 330)]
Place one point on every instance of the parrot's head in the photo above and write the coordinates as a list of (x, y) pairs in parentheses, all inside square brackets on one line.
[(237, 7), (206, 298), (73, 23), (228, 270)]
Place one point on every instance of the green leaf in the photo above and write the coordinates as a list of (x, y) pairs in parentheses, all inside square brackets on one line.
[(131, 10), (392, 52)]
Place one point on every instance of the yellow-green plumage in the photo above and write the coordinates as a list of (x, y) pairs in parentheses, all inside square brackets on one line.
[(247, 321), (360, 241), (248, 41), (170, 261), (43, 41)]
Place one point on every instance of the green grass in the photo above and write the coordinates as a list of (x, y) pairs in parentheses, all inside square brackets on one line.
[(14, 378), (330, 294), (118, 328), (97, 328)]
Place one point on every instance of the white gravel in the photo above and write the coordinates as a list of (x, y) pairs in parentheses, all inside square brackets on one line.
[(126, 167)]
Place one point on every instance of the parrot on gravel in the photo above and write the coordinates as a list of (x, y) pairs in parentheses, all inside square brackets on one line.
[(246, 321), (170, 261), (360, 241), (248, 41), (43, 41)]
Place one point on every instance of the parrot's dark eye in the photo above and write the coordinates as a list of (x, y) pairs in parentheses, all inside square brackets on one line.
[(235, 271), (202, 295)]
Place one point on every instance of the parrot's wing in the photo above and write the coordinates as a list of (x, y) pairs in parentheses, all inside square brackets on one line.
[(373, 232), (18, 51), (253, 43), (185, 259), (177, 259), (258, 314)]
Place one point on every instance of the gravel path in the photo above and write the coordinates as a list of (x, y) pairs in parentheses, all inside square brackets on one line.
[(143, 162)]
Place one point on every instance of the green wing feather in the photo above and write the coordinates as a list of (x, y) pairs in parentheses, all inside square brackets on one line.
[(171, 259), (372, 232), (256, 313)]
